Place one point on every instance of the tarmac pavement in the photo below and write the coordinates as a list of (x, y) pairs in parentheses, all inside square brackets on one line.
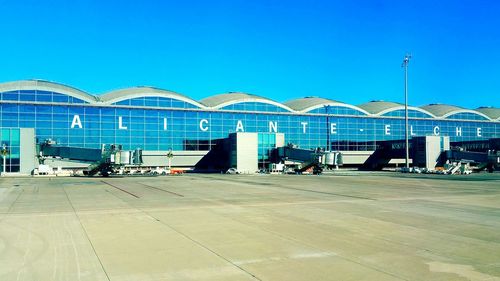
[(343, 226)]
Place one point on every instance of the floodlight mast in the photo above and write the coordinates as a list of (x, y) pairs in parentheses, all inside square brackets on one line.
[(328, 130), (406, 61)]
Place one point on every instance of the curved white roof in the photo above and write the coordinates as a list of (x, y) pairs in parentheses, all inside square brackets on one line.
[(445, 110), (301, 105), (310, 103), (47, 86), (375, 107), (138, 92), (380, 108), (492, 112), (222, 100)]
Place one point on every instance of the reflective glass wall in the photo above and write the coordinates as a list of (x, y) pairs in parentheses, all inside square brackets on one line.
[(266, 142), (163, 124), (10, 148)]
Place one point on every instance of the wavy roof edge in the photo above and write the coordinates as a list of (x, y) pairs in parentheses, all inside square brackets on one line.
[(446, 110), (299, 105), (43, 85), (144, 91), (225, 99), (379, 108), (307, 104), (492, 112)]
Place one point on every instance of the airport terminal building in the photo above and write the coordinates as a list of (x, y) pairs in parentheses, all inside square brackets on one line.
[(159, 121)]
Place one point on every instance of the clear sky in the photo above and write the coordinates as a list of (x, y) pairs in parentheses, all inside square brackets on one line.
[(349, 51)]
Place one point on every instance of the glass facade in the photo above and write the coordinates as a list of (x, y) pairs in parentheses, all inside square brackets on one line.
[(155, 102), (10, 141), (38, 96), (411, 114), (466, 116), (254, 106), (266, 143), (159, 123), (336, 110)]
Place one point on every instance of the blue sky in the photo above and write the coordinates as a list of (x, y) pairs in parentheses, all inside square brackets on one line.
[(349, 51)]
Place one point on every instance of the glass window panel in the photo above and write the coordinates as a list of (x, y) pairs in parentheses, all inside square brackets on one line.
[(60, 98), (10, 96)]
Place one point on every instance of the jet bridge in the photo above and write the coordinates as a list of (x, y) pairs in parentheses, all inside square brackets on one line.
[(303, 160), (484, 154), (104, 161), (423, 152), (436, 151)]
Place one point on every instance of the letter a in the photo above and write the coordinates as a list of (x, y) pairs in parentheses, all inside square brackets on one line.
[(76, 122), (239, 126)]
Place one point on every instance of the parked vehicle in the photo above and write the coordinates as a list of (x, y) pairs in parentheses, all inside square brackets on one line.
[(232, 171)]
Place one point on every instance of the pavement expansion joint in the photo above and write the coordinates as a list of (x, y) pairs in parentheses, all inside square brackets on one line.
[(224, 227), (86, 234)]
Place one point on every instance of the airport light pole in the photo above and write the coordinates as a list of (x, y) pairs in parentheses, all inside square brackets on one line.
[(327, 111), (406, 60), (170, 155), (5, 152)]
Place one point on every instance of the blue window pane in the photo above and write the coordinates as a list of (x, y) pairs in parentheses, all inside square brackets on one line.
[(336, 110), (60, 98), (10, 96), (411, 114), (156, 102), (137, 102), (10, 108), (76, 100), (43, 98), (466, 116), (123, 102), (254, 106)]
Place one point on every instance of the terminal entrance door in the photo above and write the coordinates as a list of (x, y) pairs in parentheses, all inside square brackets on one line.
[(266, 144), (10, 150)]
